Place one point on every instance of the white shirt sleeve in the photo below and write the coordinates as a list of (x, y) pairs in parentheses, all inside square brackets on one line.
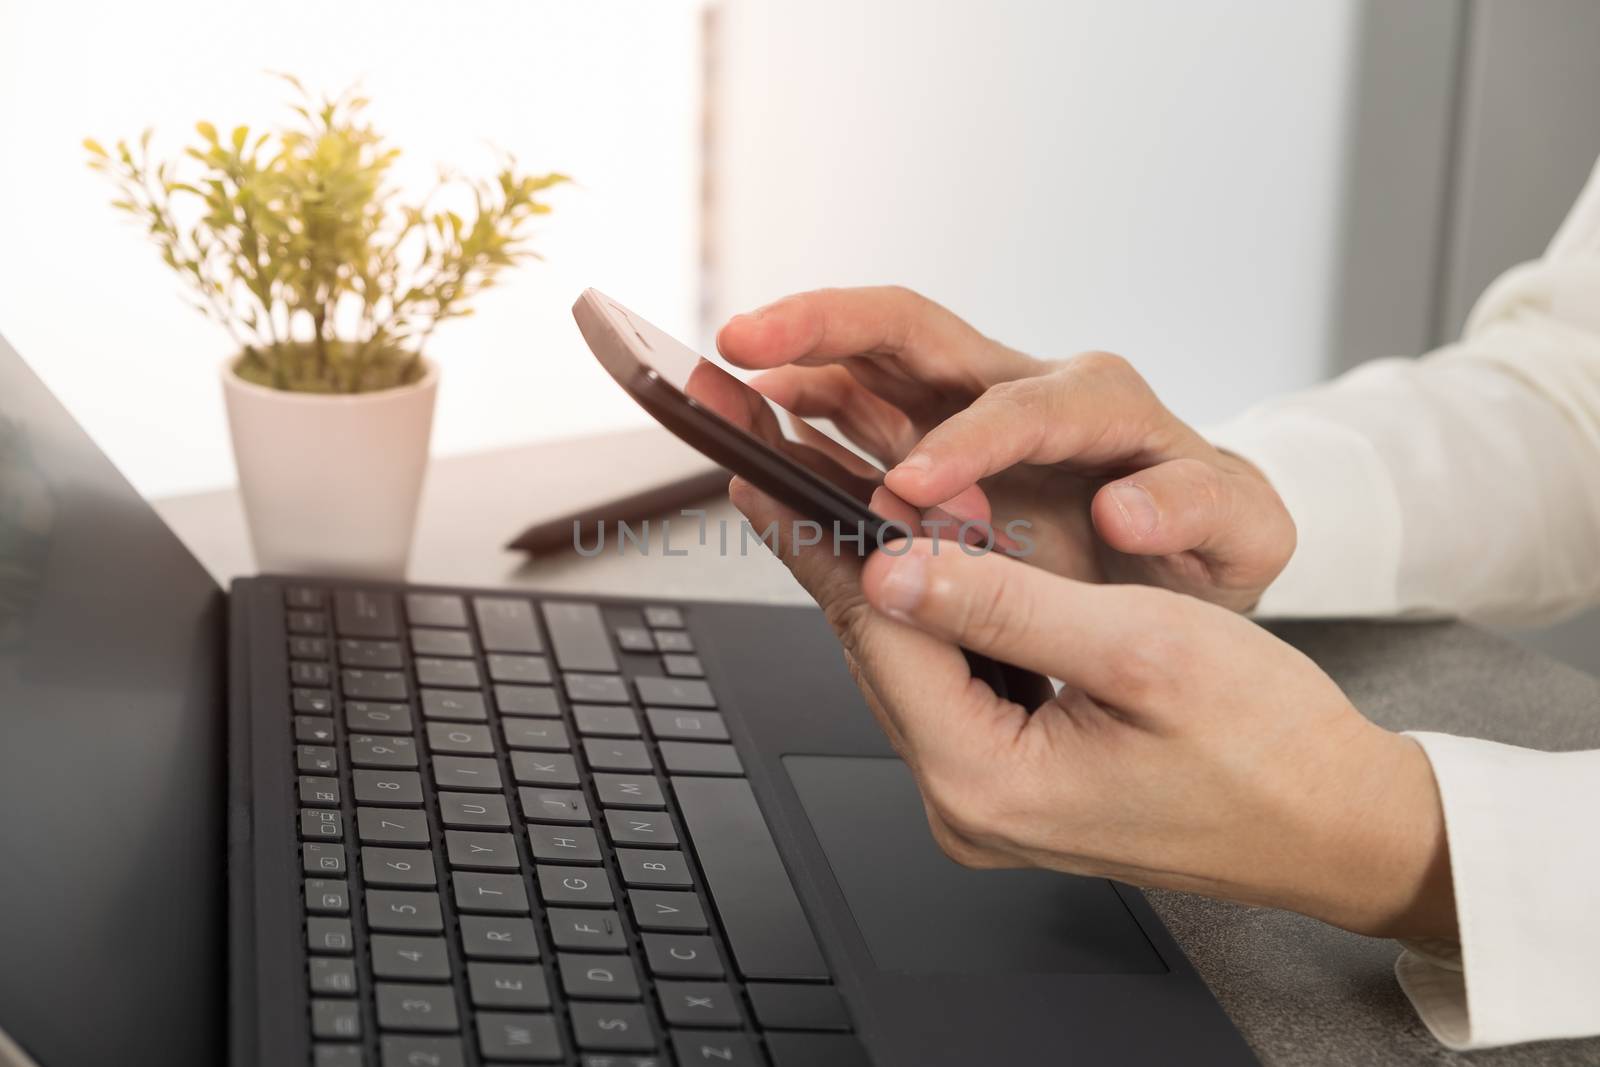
[(1468, 482)]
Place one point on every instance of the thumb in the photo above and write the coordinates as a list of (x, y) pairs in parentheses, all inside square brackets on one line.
[(1232, 519)]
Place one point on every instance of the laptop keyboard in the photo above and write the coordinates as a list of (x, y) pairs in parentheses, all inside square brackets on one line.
[(526, 837)]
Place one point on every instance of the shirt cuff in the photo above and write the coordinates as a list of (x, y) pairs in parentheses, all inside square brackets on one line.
[(1525, 860), (1345, 509)]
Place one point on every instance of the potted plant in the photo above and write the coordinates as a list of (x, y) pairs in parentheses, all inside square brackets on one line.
[(296, 242)]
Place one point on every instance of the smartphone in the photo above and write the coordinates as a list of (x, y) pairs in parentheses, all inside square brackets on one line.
[(775, 450)]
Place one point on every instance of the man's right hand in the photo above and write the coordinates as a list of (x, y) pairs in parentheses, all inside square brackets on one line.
[(1112, 485)]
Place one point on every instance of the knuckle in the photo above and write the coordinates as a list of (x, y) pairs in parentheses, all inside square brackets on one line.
[(1103, 365)]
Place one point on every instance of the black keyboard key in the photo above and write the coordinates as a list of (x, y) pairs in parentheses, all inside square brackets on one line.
[(303, 597), (503, 894), (392, 826), (682, 956), (544, 768), (616, 754), (313, 730), (398, 911), (460, 739), (447, 673), (373, 685), (785, 1006), (682, 666), (404, 1050), (656, 909), (699, 1004), (654, 868), (319, 792), (499, 937), (430, 1008), (473, 811), (651, 829), (816, 1050), (505, 624), (397, 866), (518, 1036), (321, 824), (322, 859), (466, 772), (384, 655), (460, 705), (587, 929), (553, 805), (712, 1048), (435, 609), (536, 701), (387, 787), (308, 673), (359, 613), (335, 1019), (663, 618), (598, 977), (629, 791), (521, 670), (675, 692), (425, 642), (635, 639), (507, 985), (383, 750), (308, 647), (595, 688), (316, 759), (338, 1056), (332, 976), (670, 724), (605, 720), (306, 622), (313, 701), (363, 716), (482, 850), (544, 735), (767, 931), (329, 896), (410, 958), (564, 844), (326, 935), (613, 1028), (579, 636), (575, 885), (684, 757), (673, 641)]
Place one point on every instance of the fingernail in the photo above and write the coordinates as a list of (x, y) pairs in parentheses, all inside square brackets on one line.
[(1138, 508), (902, 588), (916, 462)]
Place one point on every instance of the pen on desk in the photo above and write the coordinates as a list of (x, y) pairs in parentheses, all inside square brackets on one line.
[(556, 535)]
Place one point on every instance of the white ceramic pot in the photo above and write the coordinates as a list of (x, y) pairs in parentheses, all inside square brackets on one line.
[(331, 483)]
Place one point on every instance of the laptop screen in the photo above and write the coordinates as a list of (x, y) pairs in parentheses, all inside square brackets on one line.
[(112, 759)]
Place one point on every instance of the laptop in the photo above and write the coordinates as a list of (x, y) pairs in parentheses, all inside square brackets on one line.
[(317, 823)]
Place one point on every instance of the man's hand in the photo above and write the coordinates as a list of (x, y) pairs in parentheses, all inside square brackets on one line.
[(1112, 485), (1190, 749)]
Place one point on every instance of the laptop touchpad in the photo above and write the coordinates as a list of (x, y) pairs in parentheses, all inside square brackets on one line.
[(921, 913)]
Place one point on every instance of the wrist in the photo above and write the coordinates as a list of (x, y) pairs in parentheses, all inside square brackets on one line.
[(1385, 867)]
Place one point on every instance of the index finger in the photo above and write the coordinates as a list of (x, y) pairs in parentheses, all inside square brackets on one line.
[(828, 325), (1094, 414)]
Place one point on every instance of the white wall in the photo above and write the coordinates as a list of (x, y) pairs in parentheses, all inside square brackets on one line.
[(1155, 178), (606, 92)]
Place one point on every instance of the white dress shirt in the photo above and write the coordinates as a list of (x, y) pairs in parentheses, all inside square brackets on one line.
[(1467, 483)]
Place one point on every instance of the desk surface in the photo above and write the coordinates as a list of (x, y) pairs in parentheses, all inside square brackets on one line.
[(1301, 992)]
